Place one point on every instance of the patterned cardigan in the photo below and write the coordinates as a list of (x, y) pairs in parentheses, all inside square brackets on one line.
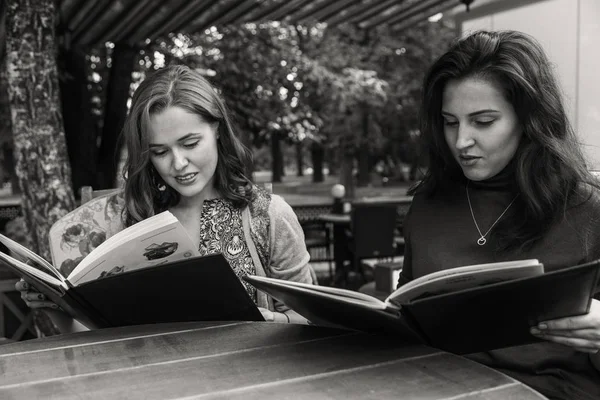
[(271, 230)]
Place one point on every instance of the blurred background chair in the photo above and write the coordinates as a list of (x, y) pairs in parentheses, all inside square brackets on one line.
[(372, 236), (319, 243)]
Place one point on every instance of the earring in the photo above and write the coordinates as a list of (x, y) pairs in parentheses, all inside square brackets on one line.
[(161, 187)]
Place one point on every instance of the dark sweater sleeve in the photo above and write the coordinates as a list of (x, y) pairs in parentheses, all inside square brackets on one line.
[(406, 273)]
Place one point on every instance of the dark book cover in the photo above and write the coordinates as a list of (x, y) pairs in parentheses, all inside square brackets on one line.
[(192, 289), (465, 321), (501, 314)]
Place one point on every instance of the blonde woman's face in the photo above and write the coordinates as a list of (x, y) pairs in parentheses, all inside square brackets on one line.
[(480, 126), (183, 149)]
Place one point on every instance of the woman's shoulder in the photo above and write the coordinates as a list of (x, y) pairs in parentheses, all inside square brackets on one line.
[(279, 208)]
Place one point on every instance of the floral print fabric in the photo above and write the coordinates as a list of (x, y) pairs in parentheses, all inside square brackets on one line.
[(221, 231)]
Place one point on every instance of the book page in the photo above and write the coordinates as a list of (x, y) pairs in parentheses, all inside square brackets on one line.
[(143, 245), (17, 266), (25, 255), (454, 279), (349, 296)]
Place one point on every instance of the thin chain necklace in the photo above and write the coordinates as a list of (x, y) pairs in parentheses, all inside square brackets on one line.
[(482, 240)]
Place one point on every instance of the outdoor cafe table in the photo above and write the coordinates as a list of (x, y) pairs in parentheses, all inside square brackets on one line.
[(242, 360)]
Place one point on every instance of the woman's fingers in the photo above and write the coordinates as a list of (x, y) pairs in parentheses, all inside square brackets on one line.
[(267, 314), (22, 285), (41, 304), (33, 296)]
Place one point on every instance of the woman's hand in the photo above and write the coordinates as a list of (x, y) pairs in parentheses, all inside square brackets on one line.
[(33, 298), (274, 316), (581, 332)]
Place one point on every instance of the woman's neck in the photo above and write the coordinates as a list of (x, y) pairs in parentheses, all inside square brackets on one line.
[(196, 201)]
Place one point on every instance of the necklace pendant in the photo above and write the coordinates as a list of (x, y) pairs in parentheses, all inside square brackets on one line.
[(481, 241)]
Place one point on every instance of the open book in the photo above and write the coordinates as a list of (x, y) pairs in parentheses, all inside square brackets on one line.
[(149, 272), (461, 310)]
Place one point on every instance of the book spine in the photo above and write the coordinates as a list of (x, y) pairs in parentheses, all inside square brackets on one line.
[(86, 313), (412, 322)]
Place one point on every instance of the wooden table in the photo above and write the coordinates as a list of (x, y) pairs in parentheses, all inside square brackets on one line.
[(245, 360)]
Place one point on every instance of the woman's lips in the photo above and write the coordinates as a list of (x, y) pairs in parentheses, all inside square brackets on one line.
[(468, 161), (186, 178)]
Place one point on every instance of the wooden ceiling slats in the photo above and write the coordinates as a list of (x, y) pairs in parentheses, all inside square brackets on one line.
[(134, 13), (367, 9), (68, 8), (111, 14), (325, 7), (417, 18), (92, 17), (182, 20), (411, 9), (292, 7), (220, 13), (266, 9), (178, 21), (155, 20), (244, 9), (83, 8), (324, 16), (94, 22)]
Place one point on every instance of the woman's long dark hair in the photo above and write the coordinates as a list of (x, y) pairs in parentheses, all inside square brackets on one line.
[(178, 86), (549, 163)]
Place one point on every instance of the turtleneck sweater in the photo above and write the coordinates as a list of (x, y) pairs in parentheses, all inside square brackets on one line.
[(440, 234)]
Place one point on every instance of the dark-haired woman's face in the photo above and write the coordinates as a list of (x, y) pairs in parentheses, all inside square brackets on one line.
[(480, 127), (183, 150)]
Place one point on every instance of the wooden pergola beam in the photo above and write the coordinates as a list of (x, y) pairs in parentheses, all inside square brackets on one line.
[(417, 18), (220, 13), (326, 15), (136, 12), (408, 11), (83, 9), (287, 11), (325, 8), (236, 15), (161, 14), (369, 7), (67, 9), (96, 13), (264, 11), (179, 20)]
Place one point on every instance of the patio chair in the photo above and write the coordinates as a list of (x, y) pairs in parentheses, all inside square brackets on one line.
[(317, 237), (372, 234)]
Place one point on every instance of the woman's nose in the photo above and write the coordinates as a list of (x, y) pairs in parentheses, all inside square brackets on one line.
[(464, 137), (179, 161)]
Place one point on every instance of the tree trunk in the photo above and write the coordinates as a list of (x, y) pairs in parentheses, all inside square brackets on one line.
[(346, 169), (363, 178), (317, 156), (42, 168), (7, 165), (276, 158), (40, 149), (300, 159), (80, 130), (123, 59)]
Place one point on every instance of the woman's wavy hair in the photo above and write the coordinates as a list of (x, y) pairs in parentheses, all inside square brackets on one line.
[(178, 86), (549, 164)]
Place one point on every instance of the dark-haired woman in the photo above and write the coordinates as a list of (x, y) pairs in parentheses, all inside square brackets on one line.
[(184, 156), (507, 180)]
